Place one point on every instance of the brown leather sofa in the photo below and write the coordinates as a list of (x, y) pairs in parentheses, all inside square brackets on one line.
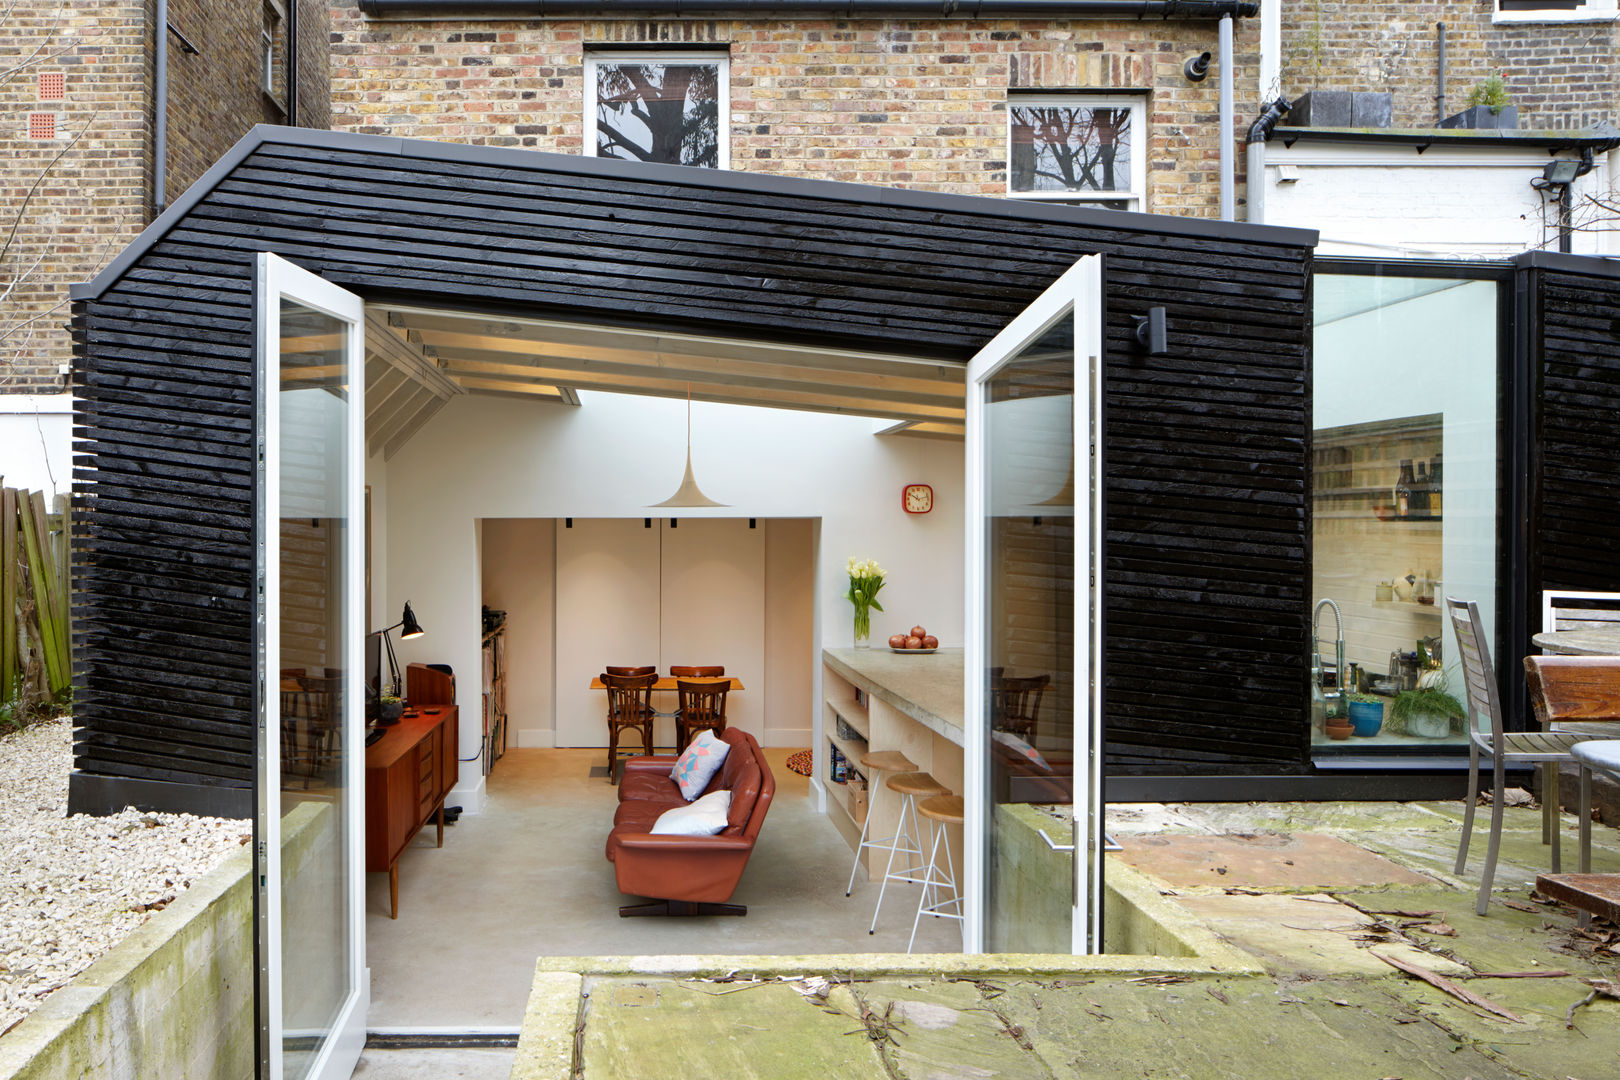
[(688, 875)]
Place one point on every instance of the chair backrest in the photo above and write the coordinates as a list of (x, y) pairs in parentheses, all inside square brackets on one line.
[(1562, 609), (1573, 688), (626, 671), (703, 702), (1022, 697), (713, 671), (1479, 677), (629, 696)]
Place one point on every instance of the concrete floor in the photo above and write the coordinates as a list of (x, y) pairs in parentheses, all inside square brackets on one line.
[(452, 1064), (528, 878)]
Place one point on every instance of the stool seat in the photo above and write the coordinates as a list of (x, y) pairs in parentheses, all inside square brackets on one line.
[(945, 808), (892, 761), (916, 783)]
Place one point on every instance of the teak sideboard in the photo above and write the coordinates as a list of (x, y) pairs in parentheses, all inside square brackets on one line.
[(409, 771)]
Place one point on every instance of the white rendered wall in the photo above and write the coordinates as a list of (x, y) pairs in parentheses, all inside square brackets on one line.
[(519, 578), (36, 442), (1444, 203), (615, 455)]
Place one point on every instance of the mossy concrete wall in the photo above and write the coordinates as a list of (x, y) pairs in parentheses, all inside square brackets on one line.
[(174, 1000)]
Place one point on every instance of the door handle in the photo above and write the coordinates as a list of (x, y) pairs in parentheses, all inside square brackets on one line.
[(1053, 844)]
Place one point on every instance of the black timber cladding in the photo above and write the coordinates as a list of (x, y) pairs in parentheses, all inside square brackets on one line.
[(1206, 445), (1574, 469)]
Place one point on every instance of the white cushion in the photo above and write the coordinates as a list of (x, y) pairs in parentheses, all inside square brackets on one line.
[(705, 817), (698, 763), (1019, 746)]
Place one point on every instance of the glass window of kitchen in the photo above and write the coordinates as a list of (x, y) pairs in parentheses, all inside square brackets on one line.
[(662, 107), (1078, 149), (1405, 491)]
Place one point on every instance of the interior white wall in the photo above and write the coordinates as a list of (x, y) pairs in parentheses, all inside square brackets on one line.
[(486, 457), (377, 485), (36, 442), (1433, 353), (1448, 202), (790, 580), (520, 579)]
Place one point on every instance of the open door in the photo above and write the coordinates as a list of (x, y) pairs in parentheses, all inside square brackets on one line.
[(1033, 765), (308, 830)]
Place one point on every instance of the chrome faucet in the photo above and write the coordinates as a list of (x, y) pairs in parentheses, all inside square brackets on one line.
[(1338, 650)]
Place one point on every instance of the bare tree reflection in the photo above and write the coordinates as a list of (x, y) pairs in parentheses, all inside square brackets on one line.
[(1070, 148), (667, 113)]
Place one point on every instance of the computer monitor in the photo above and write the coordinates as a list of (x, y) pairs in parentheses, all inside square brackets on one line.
[(373, 665)]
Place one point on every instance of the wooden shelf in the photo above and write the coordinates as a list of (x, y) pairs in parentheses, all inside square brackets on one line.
[(852, 749), (856, 716)]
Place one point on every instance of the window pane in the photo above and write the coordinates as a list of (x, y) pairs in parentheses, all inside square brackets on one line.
[(668, 113), (1070, 148), (1404, 490)]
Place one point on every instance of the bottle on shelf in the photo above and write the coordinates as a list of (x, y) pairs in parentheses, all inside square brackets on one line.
[(1436, 486), (1403, 490), (1420, 492)]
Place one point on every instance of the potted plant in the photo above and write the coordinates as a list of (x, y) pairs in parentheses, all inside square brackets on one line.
[(1429, 712), (1488, 107), (389, 707), (865, 581), (1366, 714)]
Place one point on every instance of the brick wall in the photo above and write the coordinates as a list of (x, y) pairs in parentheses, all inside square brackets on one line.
[(89, 203), (1560, 75), (917, 104)]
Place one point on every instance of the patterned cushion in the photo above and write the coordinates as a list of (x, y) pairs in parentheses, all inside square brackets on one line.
[(698, 763), (1019, 746)]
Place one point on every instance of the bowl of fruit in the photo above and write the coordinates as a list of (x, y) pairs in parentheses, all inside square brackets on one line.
[(918, 641)]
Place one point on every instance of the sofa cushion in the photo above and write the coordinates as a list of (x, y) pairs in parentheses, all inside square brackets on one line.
[(645, 785), (744, 792), (703, 816), (1020, 749), (698, 763)]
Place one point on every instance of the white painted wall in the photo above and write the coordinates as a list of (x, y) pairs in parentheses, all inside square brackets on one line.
[(1473, 202), (36, 442), (615, 455), (791, 656), (519, 578)]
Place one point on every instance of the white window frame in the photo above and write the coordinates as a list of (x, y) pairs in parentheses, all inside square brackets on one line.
[(1136, 197), (718, 58), (1590, 11)]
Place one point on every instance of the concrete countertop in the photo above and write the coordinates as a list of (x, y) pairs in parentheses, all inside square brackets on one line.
[(925, 687)]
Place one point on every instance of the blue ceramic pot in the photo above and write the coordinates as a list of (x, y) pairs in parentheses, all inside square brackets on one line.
[(1366, 717)]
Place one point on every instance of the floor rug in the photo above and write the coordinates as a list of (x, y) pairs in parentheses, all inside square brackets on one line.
[(801, 762)]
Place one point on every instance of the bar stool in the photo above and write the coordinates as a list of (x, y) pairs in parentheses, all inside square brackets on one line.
[(909, 786), (876, 763), (940, 810)]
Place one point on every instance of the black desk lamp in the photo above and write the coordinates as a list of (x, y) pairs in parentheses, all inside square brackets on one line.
[(408, 628)]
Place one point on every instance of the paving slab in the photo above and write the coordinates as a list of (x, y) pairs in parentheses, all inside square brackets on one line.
[(1263, 860), (434, 1064), (1331, 817), (1310, 935), (1521, 858), (656, 1029), (1238, 1029), (943, 1031)]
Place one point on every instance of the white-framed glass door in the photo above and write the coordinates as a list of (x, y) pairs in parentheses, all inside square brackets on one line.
[(309, 826), (1033, 708)]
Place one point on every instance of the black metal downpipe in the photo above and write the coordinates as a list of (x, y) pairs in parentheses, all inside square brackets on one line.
[(964, 9)]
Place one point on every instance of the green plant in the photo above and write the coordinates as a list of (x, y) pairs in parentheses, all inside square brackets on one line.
[(1365, 699), (1426, 701), (865, 580), (1491, 93)]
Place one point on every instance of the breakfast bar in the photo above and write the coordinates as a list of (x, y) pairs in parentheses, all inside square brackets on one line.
[(883, 700)]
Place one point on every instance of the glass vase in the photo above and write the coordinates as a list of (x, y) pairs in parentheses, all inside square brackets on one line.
[(863, 629)]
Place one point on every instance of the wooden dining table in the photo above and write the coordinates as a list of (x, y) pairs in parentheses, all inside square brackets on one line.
[(1604, 641)]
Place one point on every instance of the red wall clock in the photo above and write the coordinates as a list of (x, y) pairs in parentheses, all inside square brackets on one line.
[(917, 498)]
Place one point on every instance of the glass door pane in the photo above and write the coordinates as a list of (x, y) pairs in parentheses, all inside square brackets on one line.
[(310, 796), (1033, 637)]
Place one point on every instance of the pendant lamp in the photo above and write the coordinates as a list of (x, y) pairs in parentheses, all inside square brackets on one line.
[(689, 494)]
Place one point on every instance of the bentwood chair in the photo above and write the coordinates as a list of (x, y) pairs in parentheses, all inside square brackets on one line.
[(713, 671), (631, 671), (629, 706), (1503, 747), (1020, 705), (702, 705)]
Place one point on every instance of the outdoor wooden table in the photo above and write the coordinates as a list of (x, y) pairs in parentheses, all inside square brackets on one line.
[(1605, 642)]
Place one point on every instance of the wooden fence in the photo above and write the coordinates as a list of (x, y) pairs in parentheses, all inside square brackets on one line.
[(36, 665)]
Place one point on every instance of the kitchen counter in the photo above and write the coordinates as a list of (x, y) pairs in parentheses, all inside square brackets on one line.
[(925, 687)]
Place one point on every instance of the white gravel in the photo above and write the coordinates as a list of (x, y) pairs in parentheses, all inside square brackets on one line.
[(73, 887)]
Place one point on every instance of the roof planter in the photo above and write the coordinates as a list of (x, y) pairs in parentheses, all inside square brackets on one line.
[(948, 9)]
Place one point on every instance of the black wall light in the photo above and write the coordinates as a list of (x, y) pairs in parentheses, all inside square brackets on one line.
[(1152, 333)]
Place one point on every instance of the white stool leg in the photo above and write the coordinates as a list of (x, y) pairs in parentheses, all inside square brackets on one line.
[(928, 882), (861, 847), (914, 847)]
